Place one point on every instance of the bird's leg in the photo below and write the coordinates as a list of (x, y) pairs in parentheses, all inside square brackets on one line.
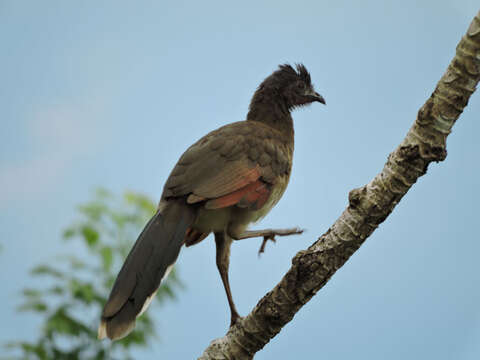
[(268, 234), (223, 242)]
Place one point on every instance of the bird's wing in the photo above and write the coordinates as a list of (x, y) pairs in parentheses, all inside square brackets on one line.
[(236, 164)]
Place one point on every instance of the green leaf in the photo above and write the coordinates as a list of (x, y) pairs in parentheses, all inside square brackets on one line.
[(74, 262), (61, 322), (33, 305), (166, 290), (29, 348), (46, 270), (90, 235), (119, 219), (141, 201), (82, 291), (56, 290), (107, 257), (93, 210), (31, 293), (102, 193), (68, 233), (135, 337)]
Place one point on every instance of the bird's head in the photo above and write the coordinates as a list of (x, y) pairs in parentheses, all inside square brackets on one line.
[(294, 86)]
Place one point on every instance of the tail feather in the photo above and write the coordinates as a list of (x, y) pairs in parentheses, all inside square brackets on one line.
[(148, 262)]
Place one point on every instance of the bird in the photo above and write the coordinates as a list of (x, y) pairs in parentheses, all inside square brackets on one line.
[(230, 178)]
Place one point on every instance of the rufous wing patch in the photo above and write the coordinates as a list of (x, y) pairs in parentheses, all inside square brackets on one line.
[(253, 195)]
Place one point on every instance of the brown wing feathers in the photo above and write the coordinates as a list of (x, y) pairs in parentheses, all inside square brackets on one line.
[(224, 162)]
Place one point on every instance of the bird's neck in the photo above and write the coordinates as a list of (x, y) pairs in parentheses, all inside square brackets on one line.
[(271, 110)]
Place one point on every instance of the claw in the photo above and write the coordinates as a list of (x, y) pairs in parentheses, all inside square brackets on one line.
[(264, 243)]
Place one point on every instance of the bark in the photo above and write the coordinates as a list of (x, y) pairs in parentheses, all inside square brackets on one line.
[(368, 207)]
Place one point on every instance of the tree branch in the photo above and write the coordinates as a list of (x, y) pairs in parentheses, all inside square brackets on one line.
[(368, 207)]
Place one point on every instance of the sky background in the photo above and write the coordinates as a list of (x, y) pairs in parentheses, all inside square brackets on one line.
[(111, 93)]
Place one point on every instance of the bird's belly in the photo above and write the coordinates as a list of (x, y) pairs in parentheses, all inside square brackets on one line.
[(212, 220)]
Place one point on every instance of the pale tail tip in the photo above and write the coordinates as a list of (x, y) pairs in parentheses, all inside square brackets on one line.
[(102, 330)]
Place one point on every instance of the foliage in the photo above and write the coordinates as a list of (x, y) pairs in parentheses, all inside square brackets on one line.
[(73, 288)]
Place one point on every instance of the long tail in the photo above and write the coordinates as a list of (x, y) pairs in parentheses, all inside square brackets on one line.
[(149, 261)]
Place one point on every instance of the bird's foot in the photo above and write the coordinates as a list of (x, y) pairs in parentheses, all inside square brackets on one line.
[(264, 243), (270, 235), (267, 234)]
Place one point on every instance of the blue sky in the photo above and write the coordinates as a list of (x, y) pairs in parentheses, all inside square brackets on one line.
[(110, 94)]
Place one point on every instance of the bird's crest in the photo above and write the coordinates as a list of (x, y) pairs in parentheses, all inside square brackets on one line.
[(287, 71)]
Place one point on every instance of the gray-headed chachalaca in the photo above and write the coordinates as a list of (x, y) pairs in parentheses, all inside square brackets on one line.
[(228, 179)]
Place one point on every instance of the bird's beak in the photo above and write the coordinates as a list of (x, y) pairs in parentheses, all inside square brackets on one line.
[(319, 98), (314, 96)]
